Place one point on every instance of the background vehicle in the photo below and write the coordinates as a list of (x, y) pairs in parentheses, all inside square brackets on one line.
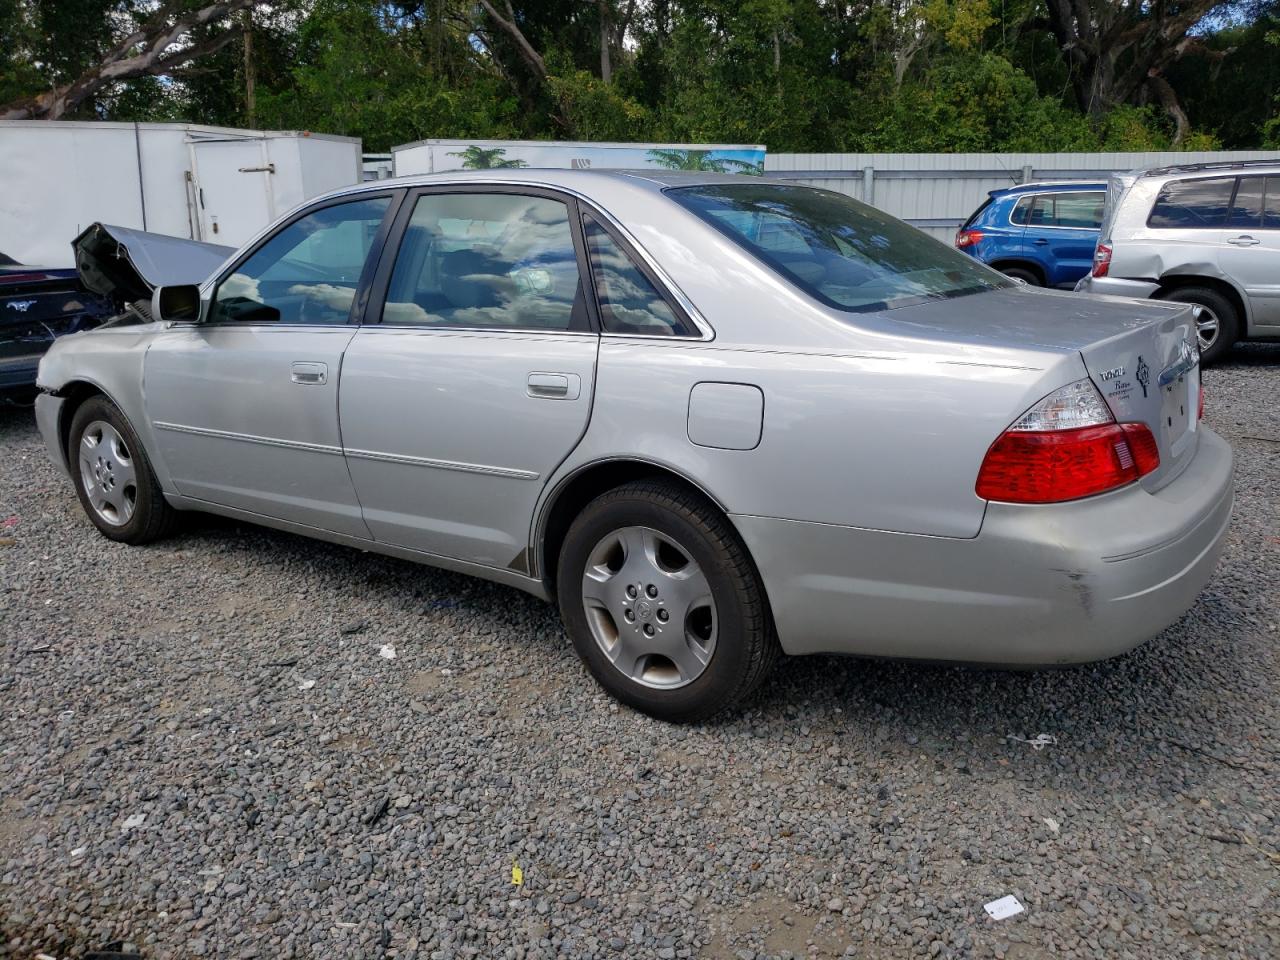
[(714, 418), (1207, 234), (38, 305), (1040, 233)]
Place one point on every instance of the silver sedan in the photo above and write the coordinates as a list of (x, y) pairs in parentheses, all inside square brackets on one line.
[(715, 419)]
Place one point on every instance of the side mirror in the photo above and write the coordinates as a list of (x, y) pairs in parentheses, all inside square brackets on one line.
[(176, 304)]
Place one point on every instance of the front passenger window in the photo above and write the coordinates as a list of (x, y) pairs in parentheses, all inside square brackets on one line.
[(308, 272)]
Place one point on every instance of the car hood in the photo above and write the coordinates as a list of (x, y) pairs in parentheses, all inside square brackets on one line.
[(127, 265)]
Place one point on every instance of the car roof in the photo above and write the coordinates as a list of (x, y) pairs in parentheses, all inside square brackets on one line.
[(1055, 185), (564, 177), (1226, 166)]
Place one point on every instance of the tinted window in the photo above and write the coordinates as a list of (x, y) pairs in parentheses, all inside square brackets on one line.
[(629, 302), (1021, 211), (487, 260), (1246, 209), (1191, 204), (1077, 210), (308, 272), (842, 252), (1271, 208)]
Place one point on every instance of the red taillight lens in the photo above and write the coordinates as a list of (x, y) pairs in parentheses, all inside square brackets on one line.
[(1050, 467), (967, 238), (1101, 260), (1200, 405)]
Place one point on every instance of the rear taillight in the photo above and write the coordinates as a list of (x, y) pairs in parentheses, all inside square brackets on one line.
[(967, 238), (1200, 405), (1066, 447), (1102, 260)]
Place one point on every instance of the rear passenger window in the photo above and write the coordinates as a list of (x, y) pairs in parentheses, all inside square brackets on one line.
[(1246, 211), (495, 260), (629, 302), (1271, 205), (1080, 211), (1192, 204)]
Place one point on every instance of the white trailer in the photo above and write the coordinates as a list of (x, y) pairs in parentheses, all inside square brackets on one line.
[(435, 156), (201, 183)]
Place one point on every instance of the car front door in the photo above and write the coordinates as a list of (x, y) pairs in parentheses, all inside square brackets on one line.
[(1250, 246), (1062, 231), (476, 379), (245, 404)]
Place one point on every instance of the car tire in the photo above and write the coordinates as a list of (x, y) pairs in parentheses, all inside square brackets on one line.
[(663, 604), (113, 477), (1029, 277), (1223, 315)]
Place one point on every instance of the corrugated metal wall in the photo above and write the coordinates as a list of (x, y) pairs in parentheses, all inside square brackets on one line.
[(938, 191)]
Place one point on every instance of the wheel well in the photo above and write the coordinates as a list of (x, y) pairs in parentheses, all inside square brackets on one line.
[(75, 394), (574, 495), (1170, 284), (1029, 265)]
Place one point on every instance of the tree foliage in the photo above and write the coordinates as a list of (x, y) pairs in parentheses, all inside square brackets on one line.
[(809, 75)]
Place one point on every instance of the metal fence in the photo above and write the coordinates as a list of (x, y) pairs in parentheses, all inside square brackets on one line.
[(937, 191)]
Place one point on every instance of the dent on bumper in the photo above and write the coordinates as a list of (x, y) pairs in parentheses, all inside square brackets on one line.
[(1052, 584), (1116, 287)]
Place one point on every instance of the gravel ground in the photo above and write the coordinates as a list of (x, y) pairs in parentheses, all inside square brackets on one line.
[(205, 754)]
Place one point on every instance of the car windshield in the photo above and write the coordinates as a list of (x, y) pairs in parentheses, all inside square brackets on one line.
[(842, 252)]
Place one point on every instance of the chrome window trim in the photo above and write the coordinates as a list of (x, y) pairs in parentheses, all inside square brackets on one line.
[(1048, 193), (591, 206)]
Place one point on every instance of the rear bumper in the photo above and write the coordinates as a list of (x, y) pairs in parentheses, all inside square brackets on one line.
[(48, 416), (1051, 584), (1116, 287)]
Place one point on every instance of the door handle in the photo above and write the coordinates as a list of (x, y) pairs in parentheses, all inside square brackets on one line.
[(1244, 241), (307, 372), (1042, 242), (554, 386)]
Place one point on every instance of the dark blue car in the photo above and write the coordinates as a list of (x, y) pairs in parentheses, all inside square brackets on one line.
[(1043, 233)]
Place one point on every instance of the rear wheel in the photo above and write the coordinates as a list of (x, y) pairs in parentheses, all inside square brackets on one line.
[(1025, 274), (113, 477), (663, 604), (1217, 326)]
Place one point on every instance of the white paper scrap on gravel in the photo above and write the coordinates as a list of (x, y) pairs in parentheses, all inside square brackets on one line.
[(1003, 908), (387, 652)]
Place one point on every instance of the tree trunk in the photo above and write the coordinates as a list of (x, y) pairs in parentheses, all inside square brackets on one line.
[(606, 68), (250, 78)]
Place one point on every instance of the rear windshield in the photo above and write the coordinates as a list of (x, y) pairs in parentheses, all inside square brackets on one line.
[(842, 252)]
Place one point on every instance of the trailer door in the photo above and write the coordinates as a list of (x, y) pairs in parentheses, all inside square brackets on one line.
[(233, 189)]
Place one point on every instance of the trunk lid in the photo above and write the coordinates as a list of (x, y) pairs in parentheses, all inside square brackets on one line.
[(1135, 351), (1151, 375)]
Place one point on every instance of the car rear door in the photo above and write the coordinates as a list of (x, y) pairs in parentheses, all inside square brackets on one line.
[(1062, 231), (1250, 249), (472, 378), (245, 404)]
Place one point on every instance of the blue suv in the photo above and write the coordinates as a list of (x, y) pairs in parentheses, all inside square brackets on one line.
[(1043, 233)]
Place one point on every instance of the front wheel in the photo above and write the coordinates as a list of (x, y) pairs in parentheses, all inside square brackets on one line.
[(113, 477), (663, 604)]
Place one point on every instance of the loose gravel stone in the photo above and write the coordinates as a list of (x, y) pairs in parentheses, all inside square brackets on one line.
[(294, 794)]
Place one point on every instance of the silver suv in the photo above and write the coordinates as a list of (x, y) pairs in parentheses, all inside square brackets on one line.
[(1206, 233)]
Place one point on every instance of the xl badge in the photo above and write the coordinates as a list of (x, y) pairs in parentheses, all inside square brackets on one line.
[(1143, 373)]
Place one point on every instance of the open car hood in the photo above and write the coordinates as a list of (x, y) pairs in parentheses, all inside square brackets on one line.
[(127, 265)]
